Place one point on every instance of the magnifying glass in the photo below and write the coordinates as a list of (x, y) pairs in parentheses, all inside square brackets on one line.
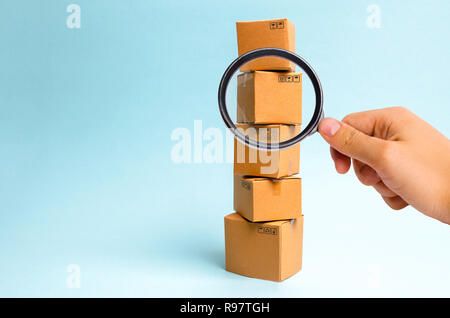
[(317, 116)]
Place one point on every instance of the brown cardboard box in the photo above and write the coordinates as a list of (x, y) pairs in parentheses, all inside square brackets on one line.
[(263, 199), (273, 164), (269, 98), (253, 35), (271, 250)]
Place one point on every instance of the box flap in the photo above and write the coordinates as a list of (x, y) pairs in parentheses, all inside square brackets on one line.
[(236, 217), (256, 179)]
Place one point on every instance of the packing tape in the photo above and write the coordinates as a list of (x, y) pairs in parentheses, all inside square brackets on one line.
[(276, 187), (245, 184), (290, 167), (240, 108)]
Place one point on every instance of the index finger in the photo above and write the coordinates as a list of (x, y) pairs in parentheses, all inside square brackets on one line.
[(374, 123)]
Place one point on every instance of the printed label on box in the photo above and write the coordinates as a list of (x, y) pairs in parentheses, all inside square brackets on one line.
[(289, 78), (267, 230), (277, 25)]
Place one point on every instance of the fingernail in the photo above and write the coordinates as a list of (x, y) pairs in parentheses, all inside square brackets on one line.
[(329, 126)]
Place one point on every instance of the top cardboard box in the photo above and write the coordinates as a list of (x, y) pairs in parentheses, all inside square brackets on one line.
[(253, 35)]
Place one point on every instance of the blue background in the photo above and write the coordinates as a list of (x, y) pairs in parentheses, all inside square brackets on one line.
[(86, 175)]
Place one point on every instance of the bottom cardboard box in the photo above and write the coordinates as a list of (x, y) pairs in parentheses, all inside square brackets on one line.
[(266, 250)]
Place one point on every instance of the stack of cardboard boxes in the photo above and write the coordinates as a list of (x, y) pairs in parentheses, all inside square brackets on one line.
[(263, 239)]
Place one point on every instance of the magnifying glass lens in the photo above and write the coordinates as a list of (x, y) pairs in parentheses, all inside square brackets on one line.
[(266, 105)]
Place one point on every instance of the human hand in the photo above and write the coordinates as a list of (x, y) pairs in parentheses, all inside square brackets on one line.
[(401, 156)]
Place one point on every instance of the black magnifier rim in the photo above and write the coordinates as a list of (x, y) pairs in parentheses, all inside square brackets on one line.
[(277, 52)]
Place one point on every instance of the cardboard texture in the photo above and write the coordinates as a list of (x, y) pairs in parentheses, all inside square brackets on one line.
[(253, 35), (273, 164), (270, 250), (269, 98), (264, 199)]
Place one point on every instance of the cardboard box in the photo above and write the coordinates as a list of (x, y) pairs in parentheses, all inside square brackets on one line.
[(269, 98), (253, 35), (270, 250), (264, 199), (261, 163)]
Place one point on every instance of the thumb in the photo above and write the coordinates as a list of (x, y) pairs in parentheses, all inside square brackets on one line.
[(351, 142)]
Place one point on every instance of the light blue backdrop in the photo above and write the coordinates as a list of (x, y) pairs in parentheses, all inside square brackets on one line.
[(86, 175)]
